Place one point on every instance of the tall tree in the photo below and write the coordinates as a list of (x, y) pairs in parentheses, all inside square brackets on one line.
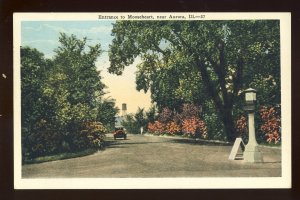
[(140, 118), (227, 56), (80, 83), (77, 62), (34, 106), (107, 111), (58, 96), (151, 114)]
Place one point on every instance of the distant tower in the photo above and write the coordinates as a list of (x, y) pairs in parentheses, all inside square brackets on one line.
[(124, 109)]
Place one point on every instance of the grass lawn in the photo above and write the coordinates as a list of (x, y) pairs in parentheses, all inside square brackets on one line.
[(60, 156)]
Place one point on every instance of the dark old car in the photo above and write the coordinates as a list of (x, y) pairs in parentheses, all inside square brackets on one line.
[(120, 133)]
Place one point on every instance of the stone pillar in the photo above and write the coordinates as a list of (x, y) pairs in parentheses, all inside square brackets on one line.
[(251, 153)]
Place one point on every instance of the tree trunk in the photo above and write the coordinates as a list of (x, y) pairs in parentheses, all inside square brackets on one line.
[(224, 107), (229, 125)]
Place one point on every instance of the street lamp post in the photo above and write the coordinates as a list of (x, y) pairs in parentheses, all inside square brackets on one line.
[(251, 153)]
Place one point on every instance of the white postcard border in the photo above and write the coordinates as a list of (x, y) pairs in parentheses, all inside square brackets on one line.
[(158, 183)]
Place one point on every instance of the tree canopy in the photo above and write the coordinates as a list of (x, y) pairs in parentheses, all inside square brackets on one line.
[(62, 98), (201, 61)]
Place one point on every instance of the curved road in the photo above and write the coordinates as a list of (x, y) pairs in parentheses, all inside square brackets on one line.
[(149, 156)]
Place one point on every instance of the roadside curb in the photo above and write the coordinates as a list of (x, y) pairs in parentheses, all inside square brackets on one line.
[(202, 140), (185, 138)]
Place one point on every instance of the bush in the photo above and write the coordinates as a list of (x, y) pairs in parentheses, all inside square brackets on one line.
[(172, 128), (60, 98), (94, 134), (194, 127), (242, 128), (165, 116), (41, 140), (271, 123), (156, 128), (186, 122), (215, 128)]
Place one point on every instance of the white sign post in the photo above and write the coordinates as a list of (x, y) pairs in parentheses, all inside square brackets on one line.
[(142, 130)]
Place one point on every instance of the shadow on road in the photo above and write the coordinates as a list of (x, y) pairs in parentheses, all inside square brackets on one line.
[(123, 143), (199, 142), (115, 146)]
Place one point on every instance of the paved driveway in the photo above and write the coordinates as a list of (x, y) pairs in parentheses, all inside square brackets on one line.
[(149, 156)]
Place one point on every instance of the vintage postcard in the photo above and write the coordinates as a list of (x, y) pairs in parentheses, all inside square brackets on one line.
[(152, 100)]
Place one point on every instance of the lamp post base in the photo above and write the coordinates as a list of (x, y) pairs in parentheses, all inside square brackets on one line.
[(252, 154)]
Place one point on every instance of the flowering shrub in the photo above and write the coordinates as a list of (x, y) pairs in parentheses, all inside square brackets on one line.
[(165, 116), (189, 126), (202, 127), (173, 128), (156, 127), (191, 123), (241, 126), (187, 122), (95, 133), (271, 123), (192, 126), (189, 111)]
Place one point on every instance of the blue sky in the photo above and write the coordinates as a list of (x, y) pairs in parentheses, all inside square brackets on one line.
[(43, 35)]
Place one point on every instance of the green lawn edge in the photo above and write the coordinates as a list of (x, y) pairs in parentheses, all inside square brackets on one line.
[(61, 156)]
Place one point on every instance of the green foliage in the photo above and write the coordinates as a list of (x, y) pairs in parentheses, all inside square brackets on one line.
[(215, 127), (82, 80), (36, 132), (201, 61), (130, 124), (107, 111), (134, 122), (151, 114), (61, 97), (140, 118), (33, 72)]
